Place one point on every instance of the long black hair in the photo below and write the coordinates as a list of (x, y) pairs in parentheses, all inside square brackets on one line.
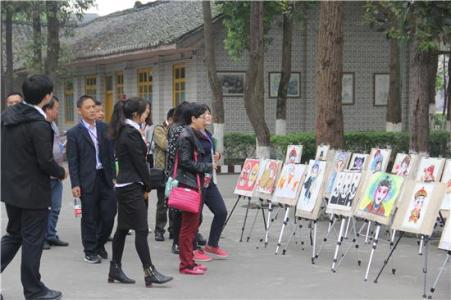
[(125, 110), (181, 112)]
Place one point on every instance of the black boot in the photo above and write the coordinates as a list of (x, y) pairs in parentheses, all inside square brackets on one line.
[(117, 274), (151, 275)]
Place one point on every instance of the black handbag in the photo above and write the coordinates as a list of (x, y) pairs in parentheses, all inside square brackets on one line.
[(157, 178)]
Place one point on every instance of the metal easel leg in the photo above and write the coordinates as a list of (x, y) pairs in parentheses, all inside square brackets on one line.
[(285, 222), (442, 268), (339, 241), (376, 236), (231, 212), (245, 218)]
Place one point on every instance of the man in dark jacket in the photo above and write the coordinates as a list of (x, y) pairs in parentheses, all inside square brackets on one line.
[(91, 167), (27, 164)]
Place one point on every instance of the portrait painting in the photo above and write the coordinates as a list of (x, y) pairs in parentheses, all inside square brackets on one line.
[(419, 201), (340, 163), (446, 179), (379, 159), (294, 84), (311, 186), (430, 169), (267, 177), (232, 83), (403, 164), (445, 240), (344, 190), (294, 154), (289, 184), (321, 152), (248, 177), (357, 162), (380, 195)]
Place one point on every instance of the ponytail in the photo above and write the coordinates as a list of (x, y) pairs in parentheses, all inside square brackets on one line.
[(117, 120)]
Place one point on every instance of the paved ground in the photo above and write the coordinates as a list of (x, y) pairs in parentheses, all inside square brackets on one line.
[(248, 273)]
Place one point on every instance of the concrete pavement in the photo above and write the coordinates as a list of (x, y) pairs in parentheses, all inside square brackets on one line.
[(249, 273)]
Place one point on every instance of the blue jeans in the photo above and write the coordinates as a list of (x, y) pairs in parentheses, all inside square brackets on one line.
[(57, 196)]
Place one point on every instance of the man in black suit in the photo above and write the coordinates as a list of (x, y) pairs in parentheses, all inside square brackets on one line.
[(27, 164), (91, 168)]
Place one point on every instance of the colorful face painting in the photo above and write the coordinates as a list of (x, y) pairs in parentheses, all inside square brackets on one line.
[(418, 204), (294, 154), (340, 163), (403, 164), (446, 178), (321, 152), (268, 176), (378, 159), (429, 169), (344, 190), (381, 194), (248, 176), (289, 181), (357, 162), (312, 185)]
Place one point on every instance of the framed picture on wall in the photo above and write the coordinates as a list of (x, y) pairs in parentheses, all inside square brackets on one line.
[(294, 85), (380, 88), (348, 88), (232, 83)]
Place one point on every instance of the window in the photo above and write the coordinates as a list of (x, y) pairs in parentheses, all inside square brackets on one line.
[(178, 84), (145, 83), (91, 86), (119, 85), (69, 101)]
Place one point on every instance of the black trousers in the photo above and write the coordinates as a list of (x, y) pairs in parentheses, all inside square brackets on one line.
[(26, 228), (214, 201), (98, 211), (161, 216)]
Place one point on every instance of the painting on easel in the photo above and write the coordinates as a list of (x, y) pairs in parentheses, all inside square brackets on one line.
[(294, 154), (341, 160), (344, 191), (403, 164), (379, 198), (248, 178), (445, 240), (358, 162), (289, 184), (446, 179), (321, 152), (269, 172), (311, 187), (430, 169), (379, 159)]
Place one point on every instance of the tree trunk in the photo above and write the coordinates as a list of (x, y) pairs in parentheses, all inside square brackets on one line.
[(9, 76), (53, 41), (431, 85), (253, 95), (448, 114), (422, 92), (394, 122), (329, 70), (281, 117), (37, 36), (215, 85)]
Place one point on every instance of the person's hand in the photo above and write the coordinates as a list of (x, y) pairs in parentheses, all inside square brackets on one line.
[(76, 192)]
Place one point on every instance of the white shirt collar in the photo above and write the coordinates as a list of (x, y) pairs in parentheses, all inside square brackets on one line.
[(133, 124), (87, 125), (37, 108)]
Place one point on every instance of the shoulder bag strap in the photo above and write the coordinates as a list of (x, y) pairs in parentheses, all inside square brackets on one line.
[(197, 174)]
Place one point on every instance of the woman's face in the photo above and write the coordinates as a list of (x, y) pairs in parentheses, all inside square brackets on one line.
[(144, 115), (199, 122), (208, 118)]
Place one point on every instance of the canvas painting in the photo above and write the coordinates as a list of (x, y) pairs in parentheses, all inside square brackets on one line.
[(344, 190), (446, 178), (357, 162), (380, 195), (321, 152), (312, 185), (403, 164), (289, 184), (445, 240), (248, 178), (341, 160), (418, 204), (430, 169), (294, 154), (379, 159), (267, 177)]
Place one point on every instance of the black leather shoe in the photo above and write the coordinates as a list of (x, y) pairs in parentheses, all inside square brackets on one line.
[(49, 295), (151, 275), (117, 274), (159, 236), (200, 239), (102, 253), (92, 259), (58, 243), (175, 249), (45, 246)]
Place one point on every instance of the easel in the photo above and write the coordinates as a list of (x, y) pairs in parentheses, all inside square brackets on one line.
[(345, 220), (373, 248), (269, 222), (442, 268), (255, 219), (425, 264)]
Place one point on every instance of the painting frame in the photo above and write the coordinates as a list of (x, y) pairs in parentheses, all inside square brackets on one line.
[(425, 164), (347, 211), (274, 80), (445, 241), (254, 166), (234, 78), (381, 81), (281, 197), (259, 190), (347, 88)]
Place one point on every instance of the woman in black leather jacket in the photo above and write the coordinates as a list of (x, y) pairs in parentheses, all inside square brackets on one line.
[(188, 169)]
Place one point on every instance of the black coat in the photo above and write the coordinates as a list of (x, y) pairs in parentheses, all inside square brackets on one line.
[(27, 158), (131, 155), (81, 155), (187, 167)]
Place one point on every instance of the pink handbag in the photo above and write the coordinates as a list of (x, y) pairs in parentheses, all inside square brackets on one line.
[(182, 198)]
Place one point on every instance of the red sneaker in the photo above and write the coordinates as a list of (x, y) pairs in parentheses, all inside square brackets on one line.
[(200, 255), (201, 267), (194, 271), (217, 251)]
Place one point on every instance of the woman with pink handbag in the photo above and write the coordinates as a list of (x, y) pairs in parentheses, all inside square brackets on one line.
[(189, 170)]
